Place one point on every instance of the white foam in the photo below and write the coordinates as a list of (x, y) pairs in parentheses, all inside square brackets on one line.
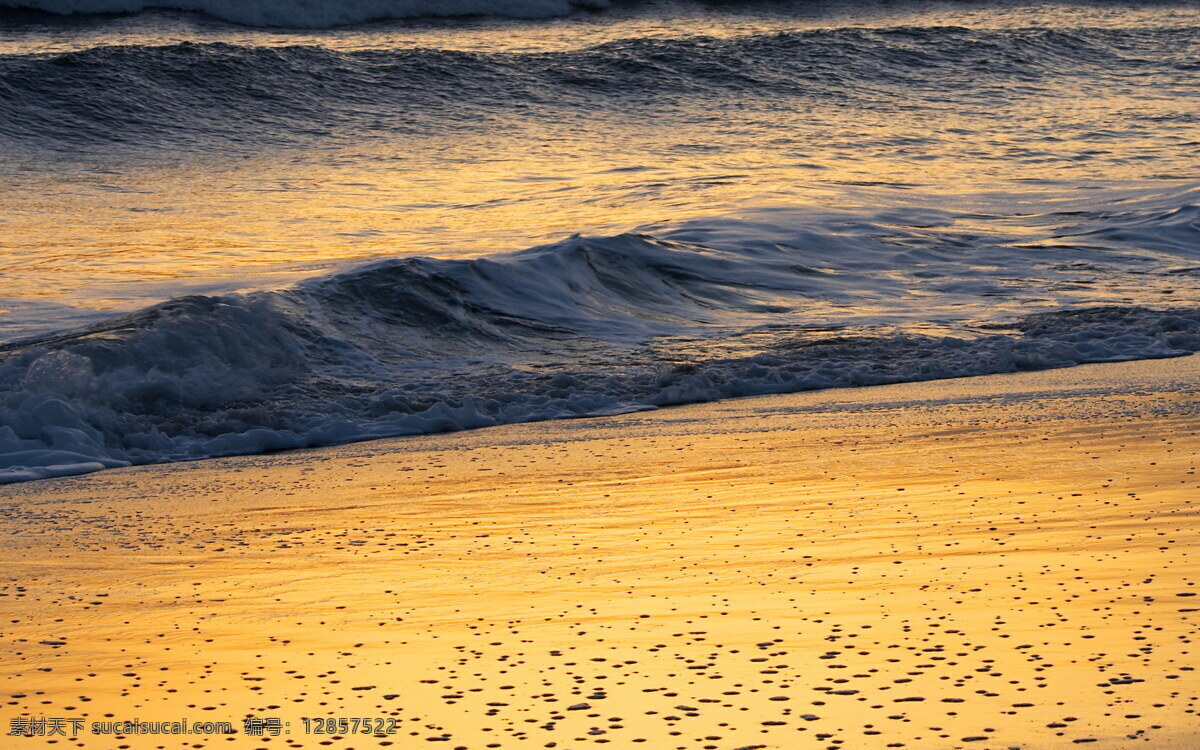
[(318, 14)]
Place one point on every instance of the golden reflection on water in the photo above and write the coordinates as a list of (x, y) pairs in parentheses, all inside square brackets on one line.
[(135, 225), (270, 221), (651, 21)]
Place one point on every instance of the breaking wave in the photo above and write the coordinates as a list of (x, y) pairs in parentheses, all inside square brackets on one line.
[(587, 326)]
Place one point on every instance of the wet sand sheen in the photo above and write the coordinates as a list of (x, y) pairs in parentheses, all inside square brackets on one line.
[(988, 563)]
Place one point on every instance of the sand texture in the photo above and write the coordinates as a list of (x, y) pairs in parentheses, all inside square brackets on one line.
[(995, 562)]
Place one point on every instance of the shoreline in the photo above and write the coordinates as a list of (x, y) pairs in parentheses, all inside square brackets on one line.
[(998, 561)]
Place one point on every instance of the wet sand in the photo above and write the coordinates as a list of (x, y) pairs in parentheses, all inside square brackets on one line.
[(1000, 562)]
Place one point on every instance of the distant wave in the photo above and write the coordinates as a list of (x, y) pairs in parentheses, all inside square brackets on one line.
[(318, 15), (588, 326), (265, 96)]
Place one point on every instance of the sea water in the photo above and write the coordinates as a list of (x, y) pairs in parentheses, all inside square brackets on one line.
[(233, 227)]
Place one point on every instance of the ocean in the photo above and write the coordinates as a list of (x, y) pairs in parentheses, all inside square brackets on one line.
[(240, 227)]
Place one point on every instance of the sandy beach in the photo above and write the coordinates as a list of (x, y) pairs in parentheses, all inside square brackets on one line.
[(996, 562), (664, 374)]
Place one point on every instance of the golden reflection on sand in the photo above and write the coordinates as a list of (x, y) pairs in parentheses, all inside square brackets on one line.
[(922, 566)]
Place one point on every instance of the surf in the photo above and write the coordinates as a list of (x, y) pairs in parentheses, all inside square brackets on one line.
[(711, 309)]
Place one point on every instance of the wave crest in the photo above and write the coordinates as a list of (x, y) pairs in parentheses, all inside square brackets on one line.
[(271, 95)]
